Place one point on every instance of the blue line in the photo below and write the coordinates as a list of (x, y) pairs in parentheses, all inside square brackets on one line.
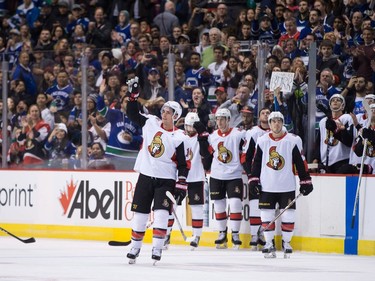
[(351, 235)]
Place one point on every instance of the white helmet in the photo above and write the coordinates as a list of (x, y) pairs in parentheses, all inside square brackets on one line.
[(191, 118), (341, 97), (275, 114), (176, 107), (370, 96), (223, 112)]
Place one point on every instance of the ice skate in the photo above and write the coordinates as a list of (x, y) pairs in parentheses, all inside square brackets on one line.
[(133, 254), (254, 243), (236, 240), (287, 250), (269, 251), (156, 255), (167, 242), (194, 244), (221, 241)]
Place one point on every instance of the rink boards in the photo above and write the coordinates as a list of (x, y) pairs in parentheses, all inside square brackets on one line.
[(96, 206)]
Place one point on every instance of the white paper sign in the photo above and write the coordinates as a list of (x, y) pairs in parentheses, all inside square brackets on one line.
[(284, 80)]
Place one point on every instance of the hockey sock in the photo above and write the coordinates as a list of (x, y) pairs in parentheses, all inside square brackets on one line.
[(287, 224), (221, 214), (197, 219), (160, 228), (267, 216), (235, 205), (138, 229), (254, 220)]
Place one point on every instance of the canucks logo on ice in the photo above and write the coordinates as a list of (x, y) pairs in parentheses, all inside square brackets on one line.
[(156, 148), (276, 161), (225, 155)]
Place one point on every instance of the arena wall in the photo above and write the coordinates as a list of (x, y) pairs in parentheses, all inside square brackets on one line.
[(96, 206)]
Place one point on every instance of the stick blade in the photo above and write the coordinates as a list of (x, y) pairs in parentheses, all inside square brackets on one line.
[(118, 243), (29, 240)]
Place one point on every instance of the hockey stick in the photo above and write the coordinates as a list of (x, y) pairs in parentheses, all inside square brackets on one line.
[(126, 243), (262, 229), (187, 239), (26, 241), (356, 200)]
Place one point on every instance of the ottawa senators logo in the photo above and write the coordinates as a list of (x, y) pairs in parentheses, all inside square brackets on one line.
[(370, 152), (330, 139), (189, 154), (156, 148), (276, 161), (225, 155)]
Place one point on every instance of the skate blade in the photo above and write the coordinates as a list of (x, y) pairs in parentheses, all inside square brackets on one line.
[(165, 248), (270, 255), (193, 248), (222, 246), (154, 263), (132, 261), (286, 255), (236, 247)]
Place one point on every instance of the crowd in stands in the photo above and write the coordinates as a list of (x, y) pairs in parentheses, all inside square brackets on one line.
[(215, 46)]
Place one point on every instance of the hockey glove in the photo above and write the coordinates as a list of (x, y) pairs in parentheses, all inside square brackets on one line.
[(367, 169), (306, 186), (133, 88), (201, 130), (368, 134), (254, 186), (331, 125), (180, 190)]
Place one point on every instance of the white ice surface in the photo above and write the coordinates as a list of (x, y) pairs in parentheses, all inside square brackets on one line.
[(60, 260)]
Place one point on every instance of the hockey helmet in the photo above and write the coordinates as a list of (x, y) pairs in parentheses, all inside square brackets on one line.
[(191, 118), (176, 107), (223, 112), (341, 97), (274, 115)]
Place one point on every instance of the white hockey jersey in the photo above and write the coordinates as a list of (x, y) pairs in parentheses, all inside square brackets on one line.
[(276, 160), (226, 162), (196, 171), (157, 155), (337, 150)]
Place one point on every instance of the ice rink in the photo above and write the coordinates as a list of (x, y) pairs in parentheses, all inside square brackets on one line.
[(58, 260)]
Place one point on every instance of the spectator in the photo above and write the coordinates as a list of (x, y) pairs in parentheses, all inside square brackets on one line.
[(61, 92), (29, 11), (47, 115), (100, 129), (215, 40), (99, 32), (167, 19), (33, 135), (97, 160), (125, 136), (23, 72), (199, 105), (364, 55), (59, 147)]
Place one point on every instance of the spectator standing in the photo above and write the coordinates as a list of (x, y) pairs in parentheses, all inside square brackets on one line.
[(167, 19)]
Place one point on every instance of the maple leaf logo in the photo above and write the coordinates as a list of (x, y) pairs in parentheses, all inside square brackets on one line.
[(67, 196)]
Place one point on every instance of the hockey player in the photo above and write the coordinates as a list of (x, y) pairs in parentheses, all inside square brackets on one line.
[(223, 158), (335, 137), (195, 181), (367, 134), (160, 159), (252, 136), (278, 154)]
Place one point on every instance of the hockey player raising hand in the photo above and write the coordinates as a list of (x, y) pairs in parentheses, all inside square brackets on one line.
[(278, 154), (160, 159)]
